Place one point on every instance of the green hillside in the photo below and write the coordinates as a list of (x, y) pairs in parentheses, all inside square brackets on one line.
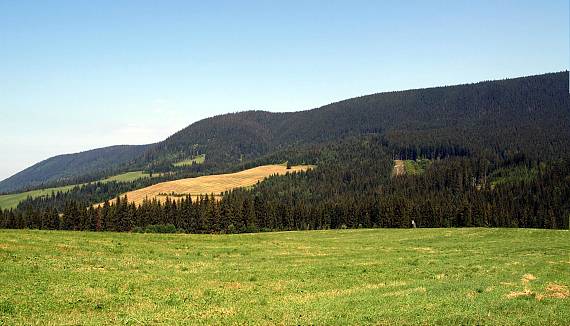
[(12, 200), (351, 277)]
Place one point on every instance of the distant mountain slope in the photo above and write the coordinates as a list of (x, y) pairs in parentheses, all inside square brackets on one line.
[(88, 164), (527, 116)]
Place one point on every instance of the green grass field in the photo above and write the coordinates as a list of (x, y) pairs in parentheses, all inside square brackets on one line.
[(200, 159), (411, 276), (12, 200), (127, 177)]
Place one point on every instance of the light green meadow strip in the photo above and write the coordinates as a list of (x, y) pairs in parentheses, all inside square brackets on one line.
[(196, 160), (12, 200)]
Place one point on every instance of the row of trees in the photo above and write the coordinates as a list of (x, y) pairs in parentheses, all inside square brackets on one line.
[(243, 211)]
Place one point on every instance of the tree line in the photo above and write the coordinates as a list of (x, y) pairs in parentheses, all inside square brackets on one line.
[(351, 187)]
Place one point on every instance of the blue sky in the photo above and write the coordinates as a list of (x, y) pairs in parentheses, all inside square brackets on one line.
[(76, 75)]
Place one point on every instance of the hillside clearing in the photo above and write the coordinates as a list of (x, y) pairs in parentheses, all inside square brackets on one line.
[(127, 177), (200, 159), (211, 184), (380, 276), (410, 167)]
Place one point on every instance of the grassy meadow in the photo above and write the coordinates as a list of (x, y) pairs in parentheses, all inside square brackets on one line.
[(385, 276), (12, 200), (127, 177)]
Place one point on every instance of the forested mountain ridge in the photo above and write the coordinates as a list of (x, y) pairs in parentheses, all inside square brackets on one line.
[(527, 116), (87, 166)]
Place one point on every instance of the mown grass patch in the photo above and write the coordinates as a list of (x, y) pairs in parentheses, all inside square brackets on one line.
[(200, 159), (127, 177), (412, 276)]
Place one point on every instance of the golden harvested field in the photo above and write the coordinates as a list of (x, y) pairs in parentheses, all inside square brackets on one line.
[(211, 184)]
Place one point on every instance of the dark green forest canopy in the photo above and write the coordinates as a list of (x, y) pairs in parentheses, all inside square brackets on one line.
[(529, 115)]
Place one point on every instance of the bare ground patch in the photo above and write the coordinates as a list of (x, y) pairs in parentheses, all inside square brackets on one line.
[(552, 290), (555, 291)]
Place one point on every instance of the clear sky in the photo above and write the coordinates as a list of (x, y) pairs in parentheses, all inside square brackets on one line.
[(82, 74)]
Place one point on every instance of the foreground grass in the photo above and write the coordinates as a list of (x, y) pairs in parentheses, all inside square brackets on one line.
[(452, 276)]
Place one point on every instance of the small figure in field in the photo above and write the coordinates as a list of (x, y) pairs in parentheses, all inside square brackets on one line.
[(413, 224)]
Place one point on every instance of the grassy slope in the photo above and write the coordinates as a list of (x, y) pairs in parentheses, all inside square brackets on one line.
[(196, 160), (434, 276), (127, 177), (12, 200)]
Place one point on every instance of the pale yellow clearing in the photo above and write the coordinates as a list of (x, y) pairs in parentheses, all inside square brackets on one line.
[(399, 168), (211, 184)]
